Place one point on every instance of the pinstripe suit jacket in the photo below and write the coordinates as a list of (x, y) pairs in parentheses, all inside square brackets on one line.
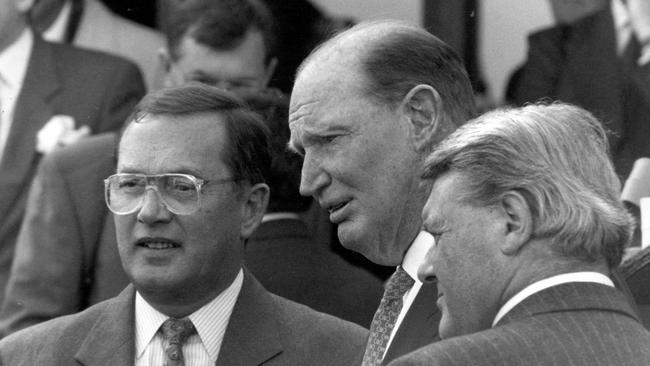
[(573, 324)]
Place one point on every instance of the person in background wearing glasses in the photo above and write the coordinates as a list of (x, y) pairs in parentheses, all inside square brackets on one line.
[(188, 192), (65, 258)]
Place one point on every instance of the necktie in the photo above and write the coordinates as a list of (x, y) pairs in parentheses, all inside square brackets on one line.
[(176, 332), (385, 317)]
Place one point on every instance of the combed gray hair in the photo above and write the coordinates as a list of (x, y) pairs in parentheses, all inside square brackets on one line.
[(556, 157)]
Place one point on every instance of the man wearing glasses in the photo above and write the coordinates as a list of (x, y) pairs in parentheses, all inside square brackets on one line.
[(188, 192)]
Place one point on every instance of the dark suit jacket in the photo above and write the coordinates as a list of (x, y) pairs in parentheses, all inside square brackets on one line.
[(291, 263), (263, 329), (578, 63), (97, 90), (420, 325), (578, 324), (636, 271)]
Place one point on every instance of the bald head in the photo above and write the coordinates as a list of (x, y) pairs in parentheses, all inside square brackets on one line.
[(386, 59)]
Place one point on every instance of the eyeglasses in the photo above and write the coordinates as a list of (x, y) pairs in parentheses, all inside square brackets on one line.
[(180, 193)]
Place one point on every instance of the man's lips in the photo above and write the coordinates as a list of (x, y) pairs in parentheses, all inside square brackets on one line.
[(336, 207), (157, 243), (336, 211)]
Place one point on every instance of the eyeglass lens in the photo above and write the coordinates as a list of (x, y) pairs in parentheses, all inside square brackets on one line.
[(125, 193)]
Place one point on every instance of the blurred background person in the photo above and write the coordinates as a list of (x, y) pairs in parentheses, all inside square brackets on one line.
[(91, 24), (599, 62), (50, 95)]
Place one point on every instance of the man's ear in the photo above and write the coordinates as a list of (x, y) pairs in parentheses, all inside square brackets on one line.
[(270, 70), (518, 222), (255, 204), (422, 106)]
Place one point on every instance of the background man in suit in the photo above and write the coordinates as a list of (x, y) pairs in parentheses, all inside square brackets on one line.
[(46, 86), (366, 108), (615, 43), (189, 190), (228, 44), (527, 219), (91, 24)]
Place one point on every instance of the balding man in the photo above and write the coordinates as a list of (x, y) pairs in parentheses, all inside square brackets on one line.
[(366, 109)]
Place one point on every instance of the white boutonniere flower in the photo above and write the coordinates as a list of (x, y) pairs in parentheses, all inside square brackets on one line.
[(58, 132)]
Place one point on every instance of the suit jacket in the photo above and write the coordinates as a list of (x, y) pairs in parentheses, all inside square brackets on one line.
[(420, 325), (66, 254), (579, 64), (263, 329), (289, 262), (97, 90), (636, 272), (102, 30), (578, 324)]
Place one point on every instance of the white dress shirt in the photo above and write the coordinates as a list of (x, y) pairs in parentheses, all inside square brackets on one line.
[(593, 277), (13, 67), (624, 31), (56, 31), (412, 260), (200, 349)]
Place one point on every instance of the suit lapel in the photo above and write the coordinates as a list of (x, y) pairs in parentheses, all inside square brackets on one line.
[(252, 335), (568, 297), (420, 325), (110, 341), (33, 109)]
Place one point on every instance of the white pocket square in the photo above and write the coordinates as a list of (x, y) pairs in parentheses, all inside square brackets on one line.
[(59, 131)]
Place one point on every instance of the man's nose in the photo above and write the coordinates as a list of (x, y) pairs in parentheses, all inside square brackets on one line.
[(313, 177), (153, 208), (426, 273)]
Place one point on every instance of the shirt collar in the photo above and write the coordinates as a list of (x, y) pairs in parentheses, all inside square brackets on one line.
[(538, 286), (14, 60), (210, 320), (273, 216), (416, 254)]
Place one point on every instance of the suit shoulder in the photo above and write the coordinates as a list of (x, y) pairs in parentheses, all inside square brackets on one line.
[(92, 60), (45, 338), (306, 328), (92, 150)]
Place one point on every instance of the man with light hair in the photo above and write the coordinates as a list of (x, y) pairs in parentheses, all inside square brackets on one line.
[(528, 223)]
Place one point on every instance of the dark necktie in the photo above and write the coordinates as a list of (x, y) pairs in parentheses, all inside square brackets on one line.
[(386, 315), (176, 332)]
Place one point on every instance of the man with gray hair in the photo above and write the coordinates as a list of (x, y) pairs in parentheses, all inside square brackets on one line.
[(527, 221), (366, 109)]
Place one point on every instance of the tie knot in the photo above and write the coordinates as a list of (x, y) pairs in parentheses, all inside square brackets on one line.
[(398, 284), (176, 331)]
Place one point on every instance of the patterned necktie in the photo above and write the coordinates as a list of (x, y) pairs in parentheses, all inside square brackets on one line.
[(176, 332), (385, 317)]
